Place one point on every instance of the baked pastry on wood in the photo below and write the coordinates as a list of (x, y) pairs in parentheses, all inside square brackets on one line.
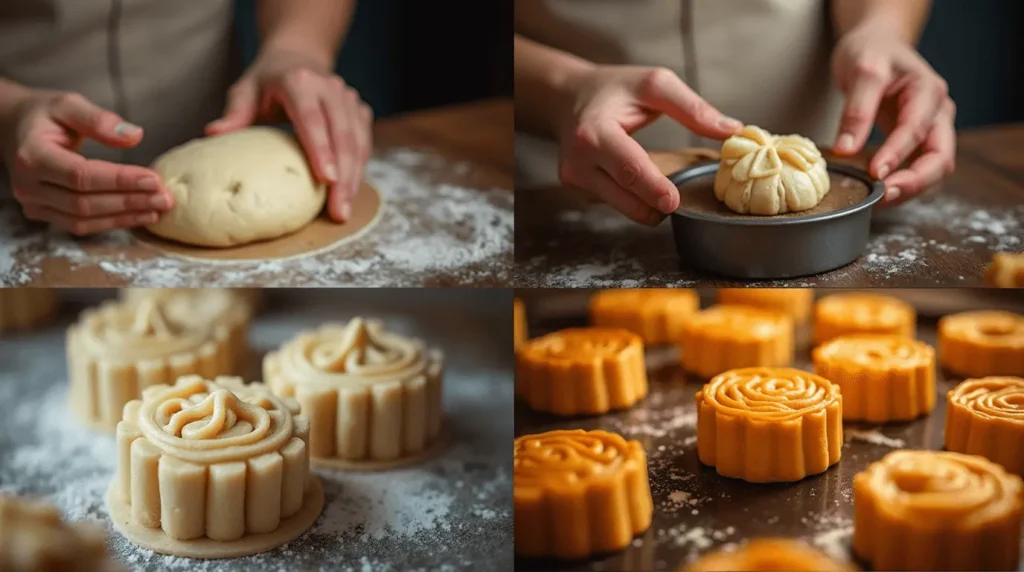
[(859, 313), (978, 344), (727, 337), (657, 315)]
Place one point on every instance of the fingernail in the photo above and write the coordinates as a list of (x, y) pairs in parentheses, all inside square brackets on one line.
[(883, 171), (160, 202), (148, 183), (845, 142), (892, 193), (730, 123), (665, 204), (125, 129), (147, 218), (346, 211), (331, 173)]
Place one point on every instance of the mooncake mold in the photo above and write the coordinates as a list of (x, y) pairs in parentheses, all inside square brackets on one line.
[(985, 417), (795, 302), (767, 425), (26, 308), (727, 337), (34, 538), (373, 397), (520, 330), (769, 555), (882, 378), (855, 313), (1006, 270), (937, 510), (656, 315), (578, 493), (582, 371), (978, 344), (118, 349), (213, 469)]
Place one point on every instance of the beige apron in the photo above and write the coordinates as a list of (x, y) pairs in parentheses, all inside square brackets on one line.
[(165, 65), (765, 62)]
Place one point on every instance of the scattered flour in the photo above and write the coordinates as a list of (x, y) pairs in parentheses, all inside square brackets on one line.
[(874, 437)]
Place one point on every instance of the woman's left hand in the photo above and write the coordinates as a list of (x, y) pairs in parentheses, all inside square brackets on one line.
[(887, 82), (331, 121)]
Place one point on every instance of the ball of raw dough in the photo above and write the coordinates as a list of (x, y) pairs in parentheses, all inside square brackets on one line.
[(238, 188), (762, 174)]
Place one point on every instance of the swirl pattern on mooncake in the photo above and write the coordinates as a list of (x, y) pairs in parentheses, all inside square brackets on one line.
[(936, 510), (34, 538), (582, 371), (203, 466), (373, 397), (656, 315), (727, 337), (985, 417), (117, 350), (578, 493), (978, 344), (883, 378), (770, 555), (856, 313), (769, 424)]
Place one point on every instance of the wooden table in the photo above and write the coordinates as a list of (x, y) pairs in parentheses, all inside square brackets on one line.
[(446, 177), (946, 237)]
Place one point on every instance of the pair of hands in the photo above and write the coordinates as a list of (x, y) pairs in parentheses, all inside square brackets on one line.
[(884, 79), (55, 184)]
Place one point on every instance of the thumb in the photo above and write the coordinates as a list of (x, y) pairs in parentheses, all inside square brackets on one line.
[(663, 91), (75, 112), (240, 111)]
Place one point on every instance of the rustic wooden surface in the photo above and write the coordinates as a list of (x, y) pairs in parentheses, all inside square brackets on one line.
[(468, 146), (946, 237)]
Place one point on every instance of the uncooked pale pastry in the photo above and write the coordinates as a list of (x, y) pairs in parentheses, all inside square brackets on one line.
[(762, 174), (795, 302), (34, 538), (25, 308), (578, 493), (770, 555), (373, 397), (856, 313), (213, 469), (976, 344), (120, 348), (984, 417), (236, 188), (582, 371), (655, 314), (883, 378), (727, 337), (252, 297), (935, 510), (1006, 270), (764, 424)]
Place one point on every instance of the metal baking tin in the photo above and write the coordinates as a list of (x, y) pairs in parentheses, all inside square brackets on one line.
[(773, 248)]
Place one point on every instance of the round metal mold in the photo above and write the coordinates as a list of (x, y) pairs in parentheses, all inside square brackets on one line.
[(791, 246)]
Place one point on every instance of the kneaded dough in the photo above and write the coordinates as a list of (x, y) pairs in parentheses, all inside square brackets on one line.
[(238, 188), (763, 174)]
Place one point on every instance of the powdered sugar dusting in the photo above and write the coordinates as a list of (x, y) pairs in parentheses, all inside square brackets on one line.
[(874, 437)]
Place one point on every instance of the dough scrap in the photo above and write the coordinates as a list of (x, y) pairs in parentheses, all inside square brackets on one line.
[(238, 188)]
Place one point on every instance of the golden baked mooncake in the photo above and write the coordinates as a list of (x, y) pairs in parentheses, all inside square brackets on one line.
[(724, 337), (985, 416), (657, 315), (795, 302), (858, 313), (769, 555), (978, 344)]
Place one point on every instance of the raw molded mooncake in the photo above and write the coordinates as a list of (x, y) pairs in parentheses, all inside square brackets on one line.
[(984, 417), (857, 313), (769, 555), (657, 315), (727, 337), (976, 344), (25, 308), (34, 538), (578, 493)]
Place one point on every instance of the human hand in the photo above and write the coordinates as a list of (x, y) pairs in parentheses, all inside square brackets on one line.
[(332, 123), (598, 154), (39, 141), (887, 82)]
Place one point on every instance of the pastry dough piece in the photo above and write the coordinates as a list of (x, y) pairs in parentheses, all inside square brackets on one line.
[(373, 397), (582, 371), (117, 350), (213, 469), (578, 493), (985, 417), (855, 313), (34, 538), (762, 174), (1006, 271), (519, 325), (727, 337), (770, 555), (764, 424), (796, 302), (976, 344), (657, 315), (936, 510), (882, 378), (252, 297), (25, 308)]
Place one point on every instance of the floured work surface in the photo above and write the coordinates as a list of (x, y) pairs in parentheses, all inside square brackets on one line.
[(695, 509), (441, 224), (452, 510)]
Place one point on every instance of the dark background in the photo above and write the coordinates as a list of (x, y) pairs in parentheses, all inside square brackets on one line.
[(404, 55)]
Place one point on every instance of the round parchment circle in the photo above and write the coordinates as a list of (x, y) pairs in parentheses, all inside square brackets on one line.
[(375, 466), (154, 538), (320, 235)]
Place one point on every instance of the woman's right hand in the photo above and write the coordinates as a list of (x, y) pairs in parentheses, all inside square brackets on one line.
[(608, 103), (39, 139)]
